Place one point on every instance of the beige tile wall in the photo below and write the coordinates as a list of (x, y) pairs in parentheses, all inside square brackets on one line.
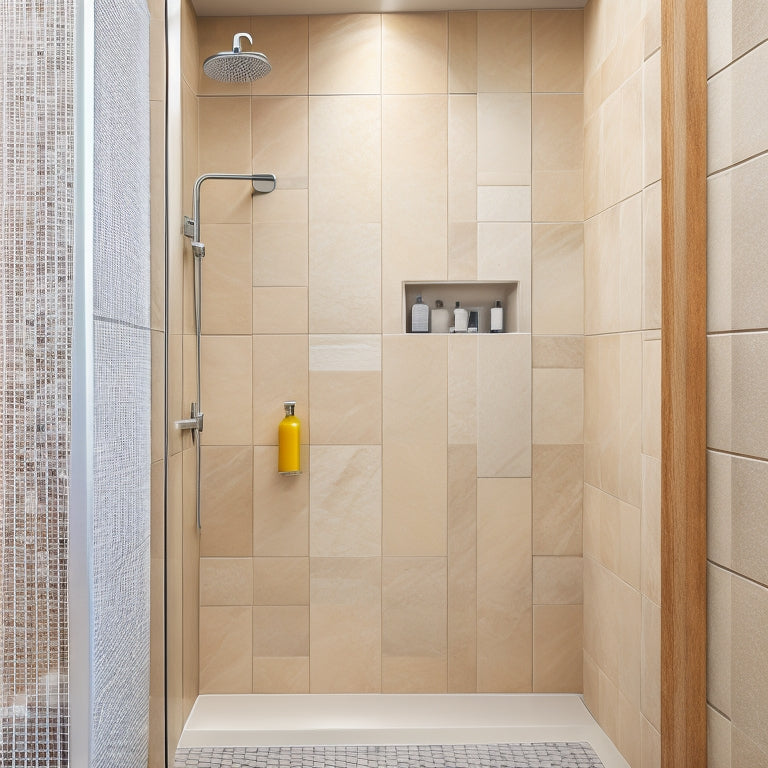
[(737, 348), (434, 541), (622, 373)]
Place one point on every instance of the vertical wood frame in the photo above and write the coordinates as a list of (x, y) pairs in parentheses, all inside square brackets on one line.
[(684, 394)]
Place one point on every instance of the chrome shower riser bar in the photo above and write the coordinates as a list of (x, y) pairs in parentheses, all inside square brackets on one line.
[(263, 183)]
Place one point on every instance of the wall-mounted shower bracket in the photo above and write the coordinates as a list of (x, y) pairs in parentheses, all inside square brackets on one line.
[(194, 422), (189, 227)]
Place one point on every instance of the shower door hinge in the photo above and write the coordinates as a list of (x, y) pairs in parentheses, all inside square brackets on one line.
[(189, 227)]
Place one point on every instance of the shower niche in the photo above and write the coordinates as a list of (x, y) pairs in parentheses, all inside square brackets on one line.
[(473, 295)]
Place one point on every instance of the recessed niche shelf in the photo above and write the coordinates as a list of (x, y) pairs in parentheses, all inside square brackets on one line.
[(472, 295)]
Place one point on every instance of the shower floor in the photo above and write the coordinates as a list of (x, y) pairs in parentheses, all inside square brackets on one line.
[(362, 730)]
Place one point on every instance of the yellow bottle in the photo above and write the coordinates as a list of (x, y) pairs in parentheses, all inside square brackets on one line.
[(289, 434)]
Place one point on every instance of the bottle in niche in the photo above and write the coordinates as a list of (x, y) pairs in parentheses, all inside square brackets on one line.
[(289, 440), (420, 317), (497, 318), (441, 318), (460, 319)]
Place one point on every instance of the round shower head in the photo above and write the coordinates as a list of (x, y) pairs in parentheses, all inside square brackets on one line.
[(237, 66)]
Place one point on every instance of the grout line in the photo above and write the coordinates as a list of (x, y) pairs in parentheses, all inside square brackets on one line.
[(729, 569), (734, 61), (733, 166)]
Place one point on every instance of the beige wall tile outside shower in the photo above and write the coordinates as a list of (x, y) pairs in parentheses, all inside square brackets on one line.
[(651, 405), (225, 649), (719, 630), (504, 138), (652, 256), (414, 52), (718, 740), (636, 403), (563, 32), (345, 501), (280, 126), (284, 41), (280, 310), (651, 663), (280, 580), (280, 630), (280, 506), (504, 612), (652, 119), (504, 51), (749, 26), (345, 407), (345, 624), (557, 648), (226, 581), (286, 357), (225, 135), (227, 488), (650, 564), (281, 238), (214, 35), (462, 52), (226, 381), (413, 625), (345, 53)]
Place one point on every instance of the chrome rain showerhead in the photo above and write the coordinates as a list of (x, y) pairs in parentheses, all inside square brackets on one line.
[(237, 66)]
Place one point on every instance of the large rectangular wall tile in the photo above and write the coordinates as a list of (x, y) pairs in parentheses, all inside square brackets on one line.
[(225, 649), (345, 53), (651, 663), (280, 506), (504, 406), (504, 138), (557, 581), (345, 625), (462, 390), (719, 630), (413, 625), (345, 407), (718, 740), (652, 119), (557, 351), (280, 630), (414, 53), (504, 51), (415, 440), (274, 674), (557, 479), (280, 310), (284, 38), (462, 568), (462, 52), (504, 562), (226, 581), (558, 406), (462, 158), (280, 581), (557, 648), (652, 256), (225, 134), (285, 358), (414, 197), (345, 501), (650, 566), (638, 403), (280, 126), (563, 32)]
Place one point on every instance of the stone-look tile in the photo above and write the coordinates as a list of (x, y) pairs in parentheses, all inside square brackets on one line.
[(557, 351), (190, 42), (652, 256), (280, 630), (719, 35), (557, 649), (652, 120), (348, 352), (284, 41), (345, 53), (462, 158), (558, 405), (638, 407), (414, 447), (557, 196), (414, 52), (226, 382), (736, 227), (279, 310), (504, 138), (225, 134), (630, 731), (718, 740), (226, 581), (280, 126), (591, 522), (225, 649), (590, 684), (344, 277), (610, 532), (414, 197), (462, 390), (462, 250), (504, 405), (504, 612), (561, 31), (214, 34), (503, 203), (749, 663), (462, 568), (558, 136), (227, 273), (345, 501), (736, 104), (345, 159), (462, 52), (225, 501), (280, 581), (747, 751), (413, 625), (630, 556), (749, 484), (650, 534), (280, 506), (557, 481), (650, 746), (286, 358), (504, 51), (345, 625), (504, 253), (281, 238), (557, 277), (608, 706), (281, 675), (557, 581), (651, 26), (631, 140), (720, 494), (650, 693), (630, 670), (749, 26), (719, 627), (345, 407)]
